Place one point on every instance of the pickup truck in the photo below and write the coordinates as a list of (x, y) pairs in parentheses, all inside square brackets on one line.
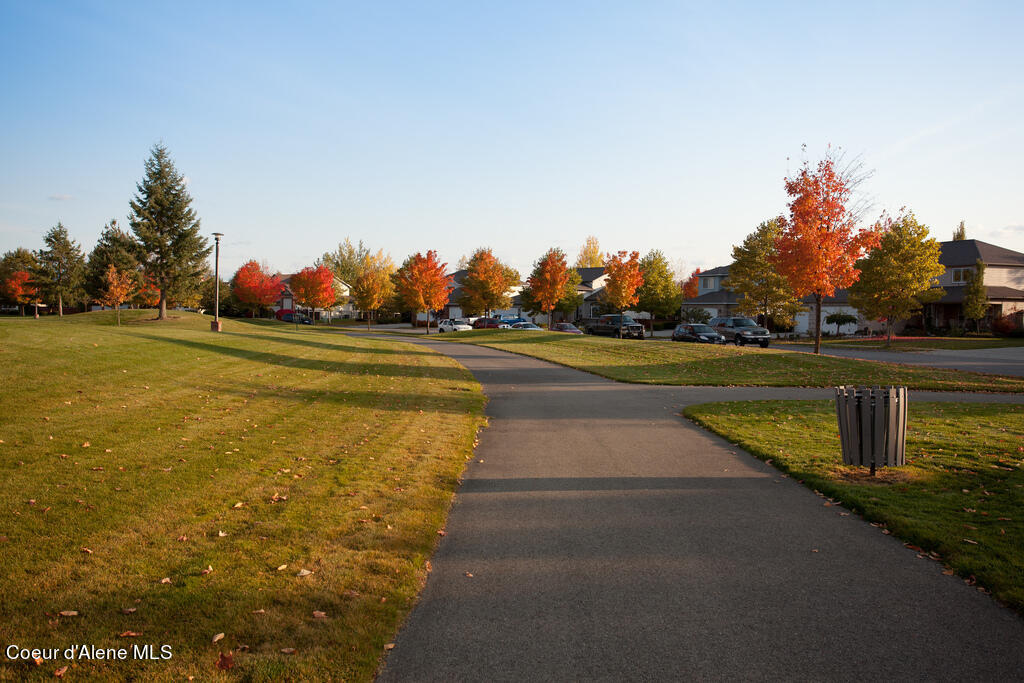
[(615, 325)]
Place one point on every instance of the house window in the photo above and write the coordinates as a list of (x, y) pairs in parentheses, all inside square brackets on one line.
[(706, 283), (961, 275)]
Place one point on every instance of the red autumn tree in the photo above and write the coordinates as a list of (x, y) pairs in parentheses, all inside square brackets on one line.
[(422, 284), (20, 289), (314, 287), (624, 279), (820, 244), (118, 287), (689, 286), (548, 279), (148, 295), (253, 286)]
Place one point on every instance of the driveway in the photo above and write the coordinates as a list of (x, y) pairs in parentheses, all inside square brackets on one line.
[(1005, 361), (598, 535)]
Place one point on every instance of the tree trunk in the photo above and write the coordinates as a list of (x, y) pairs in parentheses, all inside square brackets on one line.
[(163, 305), (888, 334), (817, 322), (367, 321), (119, 315), (21, 308), (60, 305), (551, 312), (37, 311)]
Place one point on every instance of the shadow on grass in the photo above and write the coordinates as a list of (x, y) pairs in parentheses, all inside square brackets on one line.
[(330, 346), (364, 366)]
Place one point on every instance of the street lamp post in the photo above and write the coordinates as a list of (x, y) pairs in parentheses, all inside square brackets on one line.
[(215, 324)]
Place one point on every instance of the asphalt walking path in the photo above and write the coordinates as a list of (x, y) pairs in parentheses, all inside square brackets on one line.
[(598, 535)]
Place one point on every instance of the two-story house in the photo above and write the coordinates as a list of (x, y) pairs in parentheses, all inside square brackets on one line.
[(1004, 282), (345, 309)]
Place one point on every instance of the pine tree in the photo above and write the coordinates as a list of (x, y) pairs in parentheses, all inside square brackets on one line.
[(960, 232), (60, 269), (975, 296), (173, 252), (763, 291), (117, 248)]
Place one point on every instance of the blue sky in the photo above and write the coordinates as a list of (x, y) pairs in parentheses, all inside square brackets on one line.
[(515, 125)]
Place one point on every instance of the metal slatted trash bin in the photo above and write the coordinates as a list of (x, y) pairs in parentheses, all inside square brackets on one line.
[(872, 425)]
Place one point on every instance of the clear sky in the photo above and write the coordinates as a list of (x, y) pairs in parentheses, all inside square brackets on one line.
[(516, 125)]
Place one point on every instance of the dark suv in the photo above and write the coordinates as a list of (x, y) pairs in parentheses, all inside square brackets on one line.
[(741, 331)]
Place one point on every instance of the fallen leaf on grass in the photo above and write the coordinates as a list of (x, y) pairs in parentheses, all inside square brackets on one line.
[(319, 615), (208, 570), (165, 580), (389, 646), (468, 575), (129, 634), (225, 661), (59, 673), (259, 611), (349, 593), (218, 637), (237, 505), (182, 538), (304, 572), (287, 650), (967, 540), (85, 445), (221, 534), (282, 568), (128, 610), (69, 613), (948, 572), (87, 551)]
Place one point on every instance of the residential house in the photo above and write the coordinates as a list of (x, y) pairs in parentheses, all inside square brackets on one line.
[(1004, 282), (714, 296), (286, 302)]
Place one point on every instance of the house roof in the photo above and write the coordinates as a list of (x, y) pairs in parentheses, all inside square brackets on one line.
[(967, 252), (717, 298), (955, 295), (720, 271), (590, 274)]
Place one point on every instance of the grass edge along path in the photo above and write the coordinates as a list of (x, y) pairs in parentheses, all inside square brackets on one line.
[(675, 363), (959, 499), (288, 486)]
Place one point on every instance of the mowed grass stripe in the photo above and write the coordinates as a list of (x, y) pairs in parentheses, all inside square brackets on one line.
[(362, 442), (664, 362)]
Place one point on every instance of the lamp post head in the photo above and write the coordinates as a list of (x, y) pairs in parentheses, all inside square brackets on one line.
[(218, 235)]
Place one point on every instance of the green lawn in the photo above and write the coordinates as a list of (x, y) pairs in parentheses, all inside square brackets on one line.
[(229, 465), (666, 362), (960, 496), (921, 343)]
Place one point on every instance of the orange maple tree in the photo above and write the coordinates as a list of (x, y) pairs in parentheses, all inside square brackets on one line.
[(487, 283), (148, 295), (689, 286), (624, 279), (423, 284), (118, 289), (548, 280), (313, 287), (253, 286), (820, 243), (20, 289)]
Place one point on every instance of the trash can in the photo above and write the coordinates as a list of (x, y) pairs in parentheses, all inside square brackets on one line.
[(872, 425)]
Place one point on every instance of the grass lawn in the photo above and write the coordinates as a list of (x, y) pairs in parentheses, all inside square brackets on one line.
[(960, 497), (921, 343), (166, 484), (666, 362)]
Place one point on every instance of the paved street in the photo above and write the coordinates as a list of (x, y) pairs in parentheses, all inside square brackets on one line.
[(1005, 361), (608, 538)]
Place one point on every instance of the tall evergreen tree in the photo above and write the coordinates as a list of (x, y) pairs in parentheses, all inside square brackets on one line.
[(117, 248), (960, 232), (659, 295), (60, 269), (173, 253), (763, 291), (975, 296)]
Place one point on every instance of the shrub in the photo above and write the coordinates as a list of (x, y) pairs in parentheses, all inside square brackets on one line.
[(1004, 326)]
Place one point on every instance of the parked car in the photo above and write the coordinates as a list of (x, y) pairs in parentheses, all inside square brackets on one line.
[(525, 326), (615, 325), (741, 331), (568, 328), (512, 321), (489, 323), (453, 325), (696, 332), (301, 318)]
